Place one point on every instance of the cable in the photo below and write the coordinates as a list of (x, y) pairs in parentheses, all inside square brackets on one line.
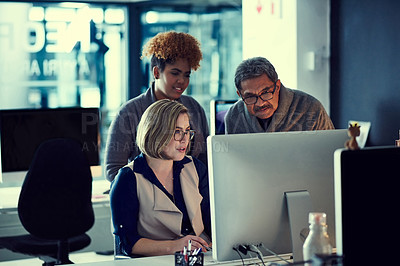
[(273, 253), (246, 249), (235, 249), (255, 249), (242, 249)]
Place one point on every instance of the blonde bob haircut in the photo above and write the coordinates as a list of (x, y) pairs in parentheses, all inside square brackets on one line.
[(157, 127)]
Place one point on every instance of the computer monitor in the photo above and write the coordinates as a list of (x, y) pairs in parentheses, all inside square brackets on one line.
[(23, 130), (254, 176), (218, 109), (367, 203)]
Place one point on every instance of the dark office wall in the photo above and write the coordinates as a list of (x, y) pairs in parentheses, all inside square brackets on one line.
[(365, 66)]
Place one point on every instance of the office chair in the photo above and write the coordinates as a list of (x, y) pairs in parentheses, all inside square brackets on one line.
[(55, 204)]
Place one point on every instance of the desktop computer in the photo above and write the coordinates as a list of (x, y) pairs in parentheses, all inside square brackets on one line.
[(263, 185)]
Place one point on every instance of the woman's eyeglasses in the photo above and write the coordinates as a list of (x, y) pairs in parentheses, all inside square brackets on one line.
[(179, 134)]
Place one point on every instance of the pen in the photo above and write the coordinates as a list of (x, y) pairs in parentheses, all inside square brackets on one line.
[(189, 246), (185, 254), (196, 251)]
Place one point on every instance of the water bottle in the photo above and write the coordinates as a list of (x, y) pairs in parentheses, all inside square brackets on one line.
[(317, 241)]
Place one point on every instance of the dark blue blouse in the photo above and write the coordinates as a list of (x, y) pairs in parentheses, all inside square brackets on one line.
[(125, 204)]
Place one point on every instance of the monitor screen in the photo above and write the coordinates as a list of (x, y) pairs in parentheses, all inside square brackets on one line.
[(218, 109), (23, 130), (250, 174), (366, 202)]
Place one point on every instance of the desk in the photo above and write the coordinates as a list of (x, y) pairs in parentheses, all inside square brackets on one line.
[(100, 233), (170, 261)]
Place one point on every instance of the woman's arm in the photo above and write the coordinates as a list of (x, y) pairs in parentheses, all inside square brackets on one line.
[(149, 247), (125, 209)]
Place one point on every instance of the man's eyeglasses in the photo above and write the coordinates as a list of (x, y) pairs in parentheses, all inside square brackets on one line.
[(265, 95), (179, 134)]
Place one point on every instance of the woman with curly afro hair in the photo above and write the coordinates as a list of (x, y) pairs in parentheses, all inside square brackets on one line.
[(173, 57)]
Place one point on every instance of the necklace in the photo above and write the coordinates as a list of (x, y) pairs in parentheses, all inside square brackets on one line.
[(170, 189), (171, 193)]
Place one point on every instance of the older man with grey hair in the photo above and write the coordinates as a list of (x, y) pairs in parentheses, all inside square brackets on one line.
[(268, 106)]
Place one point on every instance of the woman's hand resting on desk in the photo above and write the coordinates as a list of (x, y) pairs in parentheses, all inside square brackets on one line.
[(150, 247), (197, 242)]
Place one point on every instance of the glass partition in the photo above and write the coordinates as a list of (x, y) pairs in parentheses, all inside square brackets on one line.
[(72, 54), (63, 55)]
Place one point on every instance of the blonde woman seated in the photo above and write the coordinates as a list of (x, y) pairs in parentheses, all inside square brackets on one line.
[(161, 200)]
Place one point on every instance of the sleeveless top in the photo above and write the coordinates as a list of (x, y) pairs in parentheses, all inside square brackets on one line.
[(159, 218)]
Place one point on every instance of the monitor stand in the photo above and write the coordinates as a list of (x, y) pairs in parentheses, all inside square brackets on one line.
[(299, 206)]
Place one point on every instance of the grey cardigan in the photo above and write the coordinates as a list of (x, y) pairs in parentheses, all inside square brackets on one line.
[(297, 111), (121, 141)]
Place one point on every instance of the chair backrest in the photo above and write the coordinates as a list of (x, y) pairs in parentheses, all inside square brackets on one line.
[(55, 199)]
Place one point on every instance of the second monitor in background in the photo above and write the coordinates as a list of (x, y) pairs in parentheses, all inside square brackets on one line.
[(366, 202), (23, 130), (218, 109)]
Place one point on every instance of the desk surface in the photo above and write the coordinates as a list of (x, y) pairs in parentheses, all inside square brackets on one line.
[(8, 204), (169, 260), (9, 195)]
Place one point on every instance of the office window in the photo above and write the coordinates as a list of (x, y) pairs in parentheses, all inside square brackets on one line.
[(73, 54), (63, 55)]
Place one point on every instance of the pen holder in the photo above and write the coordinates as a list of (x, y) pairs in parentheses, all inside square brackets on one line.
[(180, 259)]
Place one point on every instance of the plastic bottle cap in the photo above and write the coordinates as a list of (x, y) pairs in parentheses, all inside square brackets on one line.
[(317, 218)]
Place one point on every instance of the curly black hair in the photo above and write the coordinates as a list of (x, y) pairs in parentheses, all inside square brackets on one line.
[(166, 47)]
